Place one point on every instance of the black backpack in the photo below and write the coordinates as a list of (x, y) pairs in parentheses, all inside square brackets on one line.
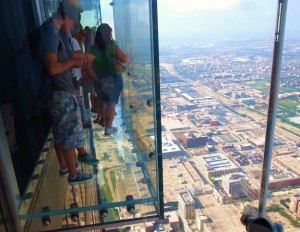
[(31, 74)]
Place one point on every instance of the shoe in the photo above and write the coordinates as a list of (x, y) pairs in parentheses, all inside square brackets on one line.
[(109, 131), (63, 172), (102, 123), (81, 178), (87, 159), (86, 124)]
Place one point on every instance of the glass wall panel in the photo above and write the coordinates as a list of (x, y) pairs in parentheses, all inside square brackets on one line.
[(133, 17), (130, 158)]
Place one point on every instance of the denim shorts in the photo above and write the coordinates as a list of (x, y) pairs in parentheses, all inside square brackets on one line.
[(113, 96), (66, 120)]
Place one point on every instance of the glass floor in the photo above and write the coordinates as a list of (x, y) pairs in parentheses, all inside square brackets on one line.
[(124, 188)]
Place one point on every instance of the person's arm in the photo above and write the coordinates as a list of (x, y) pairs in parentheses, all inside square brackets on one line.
[(49, 47), (90, 68), (54, 67), (121, 56), (77, 49)]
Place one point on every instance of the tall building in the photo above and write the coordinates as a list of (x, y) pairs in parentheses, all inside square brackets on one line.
[(214, 165), (295, 203), (236, 184), (186, 206), (201, 219), (191, 139)]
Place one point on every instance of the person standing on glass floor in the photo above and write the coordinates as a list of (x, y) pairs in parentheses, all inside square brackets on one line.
[(101, 68), (66, 120)]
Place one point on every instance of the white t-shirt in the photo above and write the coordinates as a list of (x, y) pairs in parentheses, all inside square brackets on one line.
[(76, 47)]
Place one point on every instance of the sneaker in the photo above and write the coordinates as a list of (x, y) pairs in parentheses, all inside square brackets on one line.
[(109, 131), (102, 123), (81, 178), (63, 172), (87, 159)]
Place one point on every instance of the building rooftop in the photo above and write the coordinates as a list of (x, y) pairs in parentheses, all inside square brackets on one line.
[(168, 145), (235, 176), (187, 198), (215, 162)]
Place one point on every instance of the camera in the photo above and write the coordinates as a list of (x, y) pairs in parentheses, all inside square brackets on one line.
[(260, 224)]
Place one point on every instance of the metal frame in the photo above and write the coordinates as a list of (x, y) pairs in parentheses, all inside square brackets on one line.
[(274, 90), (156, 85), (112, 225)]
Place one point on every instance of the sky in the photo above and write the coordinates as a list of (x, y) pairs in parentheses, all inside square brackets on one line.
[(196, 19), (200, 19)]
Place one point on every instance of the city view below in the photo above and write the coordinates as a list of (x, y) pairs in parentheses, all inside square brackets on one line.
[(214, 99)]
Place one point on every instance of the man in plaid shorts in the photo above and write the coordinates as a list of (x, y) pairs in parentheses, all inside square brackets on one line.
[(66, 119)]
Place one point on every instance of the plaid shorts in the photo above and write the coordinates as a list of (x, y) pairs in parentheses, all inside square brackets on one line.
[(66, 120), (80, 104)]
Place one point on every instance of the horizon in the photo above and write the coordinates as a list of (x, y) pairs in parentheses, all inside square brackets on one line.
[(204, 20), (218, 19)]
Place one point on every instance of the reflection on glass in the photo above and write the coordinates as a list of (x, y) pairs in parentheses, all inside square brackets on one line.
[(128, 170)]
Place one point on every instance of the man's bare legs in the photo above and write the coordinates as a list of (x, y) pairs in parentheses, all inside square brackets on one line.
[(70, 157), (63, 156), (67, 160), (60, 156)]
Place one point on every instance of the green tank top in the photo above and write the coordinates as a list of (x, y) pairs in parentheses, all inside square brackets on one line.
[(101, 62)]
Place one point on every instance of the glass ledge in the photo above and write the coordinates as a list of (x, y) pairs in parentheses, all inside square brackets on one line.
[(123, 171)]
